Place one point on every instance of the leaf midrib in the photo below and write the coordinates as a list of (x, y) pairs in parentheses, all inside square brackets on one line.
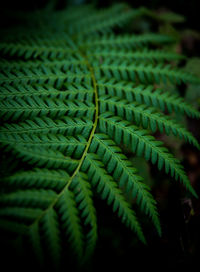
[(87, 146)]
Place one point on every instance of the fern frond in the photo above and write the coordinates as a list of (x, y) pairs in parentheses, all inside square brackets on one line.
[(68, 145), (32, 45), (21, 91), (71, 98), (32, 107), (21, 214), (29, 198), (66, 207), (148, 117), (142, 143), (83, 197), (129, 55), (148, 95), (40, 156), (72, 65), (33, 234), (143, 73), (65, 125), (53, 76), (109, 190), (122, 170), (104, 21), (13, 226), (38, 178), (50, 229), (126, 41), (28, 51)]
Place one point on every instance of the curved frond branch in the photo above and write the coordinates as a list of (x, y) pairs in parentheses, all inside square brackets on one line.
[(144, 73), (83, 197), (147, 95), (67, 209), (130, 55), (64, 125), (51, 231), (123, 171), (109, 190), (144, 144), (126, 41), (148, 117)]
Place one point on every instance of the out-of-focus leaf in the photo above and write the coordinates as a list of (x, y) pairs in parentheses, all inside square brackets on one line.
[(143, 169), (193, 66), (190, 33), (168, 17), (192, 95), (192, 91), (170, 30), (171, 17)]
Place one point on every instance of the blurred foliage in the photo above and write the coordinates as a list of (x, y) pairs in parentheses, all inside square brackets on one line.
[(192, 92)]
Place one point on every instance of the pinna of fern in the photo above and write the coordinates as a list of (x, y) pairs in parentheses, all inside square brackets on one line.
[(72, 95)]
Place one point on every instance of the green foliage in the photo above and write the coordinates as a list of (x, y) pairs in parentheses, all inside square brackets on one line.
[(73, 94)]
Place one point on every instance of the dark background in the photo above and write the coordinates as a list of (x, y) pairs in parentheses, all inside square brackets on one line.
[(190, 9)]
